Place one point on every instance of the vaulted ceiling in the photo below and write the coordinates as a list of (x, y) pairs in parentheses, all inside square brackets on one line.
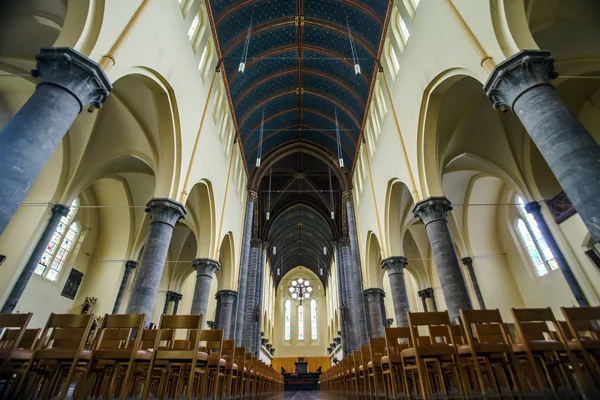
[(299, 69)]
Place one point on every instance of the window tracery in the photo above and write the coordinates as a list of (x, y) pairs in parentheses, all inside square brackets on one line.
[(287, 330), (300, 322), (313, 320)]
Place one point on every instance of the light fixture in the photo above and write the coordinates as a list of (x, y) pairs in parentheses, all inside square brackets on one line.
[(268, 215), (274, 248), (324, 250)]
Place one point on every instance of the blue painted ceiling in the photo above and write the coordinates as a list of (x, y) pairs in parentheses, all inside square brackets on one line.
[(299, 69)]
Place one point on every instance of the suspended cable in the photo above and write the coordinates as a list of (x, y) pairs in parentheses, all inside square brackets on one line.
[(353, 48), (332, 210), (337, 137), (260, 139), (269, 195), (242, 66)]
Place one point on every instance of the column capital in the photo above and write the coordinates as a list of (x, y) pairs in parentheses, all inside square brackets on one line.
[(394, 264), (533, 207), (428, 292), (516, 75), (421, 294), (346, 196), (60, 210), (130, 264), (344, 242), (206, 266), (468, 261), (165, 210), (256, 242), (374, 293), (252, 196), (170, 296), (225, 293), (432, 209), (67, 68)]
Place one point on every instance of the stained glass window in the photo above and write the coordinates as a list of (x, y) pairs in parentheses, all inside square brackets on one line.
[(300, 322), (287, 328), (60, 244), (533, 240), (403, 28), (313, 320)]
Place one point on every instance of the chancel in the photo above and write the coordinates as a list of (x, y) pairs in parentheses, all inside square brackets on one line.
[(232, 199)]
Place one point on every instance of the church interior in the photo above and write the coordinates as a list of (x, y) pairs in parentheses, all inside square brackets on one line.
[(299, 199)]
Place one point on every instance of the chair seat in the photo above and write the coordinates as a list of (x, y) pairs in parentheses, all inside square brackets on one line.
[(377, 364), (586, 344), (17, 354), (482, 348), (428, 351), (113, 354), (539, 346), (62, 354), (395, 358)]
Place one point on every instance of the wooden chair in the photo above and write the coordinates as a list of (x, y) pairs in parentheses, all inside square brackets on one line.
[(239, 359), (488, 351), (113, 356), (166, 338), (434, 362), (581, 332), (16, 348), (374, 371), (539, 347), (187, 354), (396, 340), (214, 368), (58, 354), (365, 358), (355, 363)]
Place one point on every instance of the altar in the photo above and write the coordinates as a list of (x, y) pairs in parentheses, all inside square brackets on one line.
[(301, 379), (301, 366)]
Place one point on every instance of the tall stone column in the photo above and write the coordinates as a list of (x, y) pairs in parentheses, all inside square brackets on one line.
[(58, 211), (341, 299), (244, 260), (395, 269), (353, 299), (423, 297), (468, 262), (355, 283), (165, 213), (522, 83), (433, 212), (69, 82), (205, 269), (248, 338), (430, 299), (259, 295), (176, 300), (225, 311), (374, 299), (129, 267), (535, 209)]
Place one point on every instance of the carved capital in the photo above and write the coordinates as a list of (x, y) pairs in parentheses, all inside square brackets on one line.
[(256, 242), (165, 210), (346, 196), (534, 208), (432, 209), (394, 265), (226, 296), (517, 74), (373, 294), (468, 261), (130, 265), (206, 266), (59, 210), (252, 196), (83, 78), (344, 242)]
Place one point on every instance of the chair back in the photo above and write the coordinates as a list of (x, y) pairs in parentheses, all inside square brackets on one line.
[(15, 327), (430, 320), (581, 324), (377, 348), (396, 340), (533, 324), (117, 330), (65, 331)]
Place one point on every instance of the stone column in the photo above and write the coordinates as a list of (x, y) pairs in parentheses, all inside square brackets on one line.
[(535, 209), (259, 295), (225, 311), (374, 299), (169, 296), (244, 260), (129, 266), (395, 269), (522, 83), (176, 300), (353, 298), (205, 268), (58, 211), (468, 262), (433, 212), (430, 297), (248, 338), (355, 284), (165, 213), (69, 82), (423, 297), (341, 299)]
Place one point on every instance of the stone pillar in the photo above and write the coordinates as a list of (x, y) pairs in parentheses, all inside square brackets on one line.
[(468, 262), (165, 213), (341, 297), (244, 260), (522, 83), (205, 268), (430, 298), (69, 82), (535, 210), (176, 300), (355, 284), (433, 212), (225, 311), (259, 296), (248, 338), (374, 299), (129, 266), (58, 211), (353, 298), (423, 297), (169, 297), (395, 269)]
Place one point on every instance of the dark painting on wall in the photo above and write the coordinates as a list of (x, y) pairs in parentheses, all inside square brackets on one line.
[(72, 285)]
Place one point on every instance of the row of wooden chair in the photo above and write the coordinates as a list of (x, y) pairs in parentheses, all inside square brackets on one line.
[(124, 360), (481, 357)]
